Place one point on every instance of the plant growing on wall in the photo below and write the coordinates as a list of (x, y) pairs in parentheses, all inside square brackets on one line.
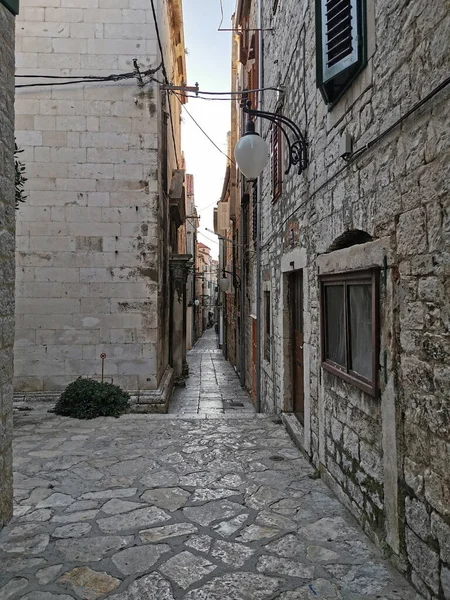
[(20, 178)]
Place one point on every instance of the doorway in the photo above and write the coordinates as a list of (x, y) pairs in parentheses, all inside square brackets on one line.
[(298, 392)]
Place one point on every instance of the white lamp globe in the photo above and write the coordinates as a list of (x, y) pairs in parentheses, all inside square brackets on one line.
[(251, 153), (197, 302), (224, 284)]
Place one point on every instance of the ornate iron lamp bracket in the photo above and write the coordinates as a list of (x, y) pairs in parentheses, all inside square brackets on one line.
[(298, 148)]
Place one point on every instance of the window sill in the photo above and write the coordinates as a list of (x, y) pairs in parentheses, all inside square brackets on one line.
[(366, 386)]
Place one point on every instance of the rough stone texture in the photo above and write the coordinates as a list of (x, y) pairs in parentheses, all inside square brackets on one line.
[(89, 584), (374, 452), (233, 553), (7, 233), (93, 240)]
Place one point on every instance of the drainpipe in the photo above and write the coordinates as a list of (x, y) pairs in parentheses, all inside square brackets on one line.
[(242, 290), (258, 224)]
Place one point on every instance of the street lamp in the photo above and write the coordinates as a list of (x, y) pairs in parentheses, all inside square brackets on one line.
[(252, 153), (224, 282)]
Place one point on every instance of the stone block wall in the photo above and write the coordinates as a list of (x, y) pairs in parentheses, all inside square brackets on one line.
[(7, 233), (92, 248), (386, 457)]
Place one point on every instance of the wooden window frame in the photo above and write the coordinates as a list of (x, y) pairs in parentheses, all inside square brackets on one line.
[(276, 159), (368, 276)]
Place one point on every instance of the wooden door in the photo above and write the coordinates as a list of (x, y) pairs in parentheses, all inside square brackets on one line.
[(254, 359), (297, 345)]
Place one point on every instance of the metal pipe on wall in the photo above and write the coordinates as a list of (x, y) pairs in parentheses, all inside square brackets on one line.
[(258, 221)]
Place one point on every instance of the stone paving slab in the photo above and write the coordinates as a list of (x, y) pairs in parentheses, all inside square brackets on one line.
[(161, 507), (194, 521)]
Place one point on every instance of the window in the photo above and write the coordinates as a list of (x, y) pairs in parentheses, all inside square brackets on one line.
[(340, 45), (350, 329), (276, 161), (267, 326)]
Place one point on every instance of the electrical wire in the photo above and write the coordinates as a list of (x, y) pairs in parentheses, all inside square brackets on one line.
[(166, 79), (76, 79), (221, 12), (202, 130)]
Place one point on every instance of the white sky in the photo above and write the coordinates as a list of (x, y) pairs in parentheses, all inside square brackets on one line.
[(208, 61)]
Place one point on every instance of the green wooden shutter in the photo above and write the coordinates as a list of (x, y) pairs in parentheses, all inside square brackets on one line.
[(12, 5), (340, 44)]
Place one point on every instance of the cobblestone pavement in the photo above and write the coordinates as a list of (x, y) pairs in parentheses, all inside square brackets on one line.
[(164, 507), (213, 387)]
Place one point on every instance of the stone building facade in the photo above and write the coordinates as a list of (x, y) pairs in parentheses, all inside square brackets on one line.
[(354, 253), (106, 199), (7, 233)]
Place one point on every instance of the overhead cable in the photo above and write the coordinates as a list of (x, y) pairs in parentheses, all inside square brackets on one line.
[(203, 131)]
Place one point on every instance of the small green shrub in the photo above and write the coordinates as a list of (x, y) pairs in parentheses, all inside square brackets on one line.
[(87, 399)]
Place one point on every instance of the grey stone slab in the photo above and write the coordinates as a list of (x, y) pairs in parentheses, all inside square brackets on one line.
[(370, 578), (186, 568), (321, 554), (270, 519), (289, 546), (138, 559), (142, 517), (201, 543), (83, 515), (33, 545), (55, 501), (14, 587), (170, 499), (17, 565), (45, 596), (253, 533), (264, 496), (168, 531), (329, 529), (26, 530), (237, 586), (73, 530), (207, 494), (48, 574), (149, 587), (227, 528), (231, 553), (115, 506), (284, 566), (212, 511), (108, 494), (316, 590), (158, 479), (93, 548)]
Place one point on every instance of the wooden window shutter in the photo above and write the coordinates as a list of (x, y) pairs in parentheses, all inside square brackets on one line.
[(11, 5), (340, 37)]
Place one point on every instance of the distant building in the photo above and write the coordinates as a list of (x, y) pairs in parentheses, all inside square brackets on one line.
[(101, 246)]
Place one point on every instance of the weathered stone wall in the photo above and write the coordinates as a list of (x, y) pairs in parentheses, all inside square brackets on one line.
[(386, 457), (7, 227), (92, 240)]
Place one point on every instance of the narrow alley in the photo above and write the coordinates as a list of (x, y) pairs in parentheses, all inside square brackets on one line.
[(210, 502)]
